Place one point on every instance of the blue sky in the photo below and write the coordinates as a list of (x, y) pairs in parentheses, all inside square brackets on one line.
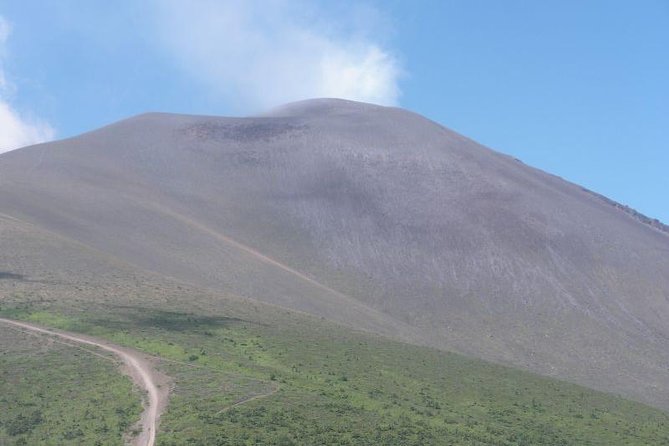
[(577, 88)]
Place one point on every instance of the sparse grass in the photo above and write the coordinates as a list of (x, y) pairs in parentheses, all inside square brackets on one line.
[(316, 383), (52, 394)]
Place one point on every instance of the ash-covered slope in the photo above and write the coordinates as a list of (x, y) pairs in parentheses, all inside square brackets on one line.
[(375, 217)]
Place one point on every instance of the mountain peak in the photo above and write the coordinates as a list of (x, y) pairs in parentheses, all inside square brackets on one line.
[(371, 216), (321, 106)]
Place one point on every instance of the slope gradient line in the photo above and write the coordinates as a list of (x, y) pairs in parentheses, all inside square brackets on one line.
[(380, 316)]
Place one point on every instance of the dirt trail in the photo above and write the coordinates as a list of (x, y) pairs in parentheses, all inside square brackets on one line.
[(136, 366)]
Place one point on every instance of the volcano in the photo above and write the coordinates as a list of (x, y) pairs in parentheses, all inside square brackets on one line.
[(373, 217)]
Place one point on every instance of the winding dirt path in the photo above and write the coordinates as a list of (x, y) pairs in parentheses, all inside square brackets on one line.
[(136, 366)]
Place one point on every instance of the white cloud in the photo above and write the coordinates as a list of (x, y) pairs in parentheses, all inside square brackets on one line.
[(261, 53), (16, 129)]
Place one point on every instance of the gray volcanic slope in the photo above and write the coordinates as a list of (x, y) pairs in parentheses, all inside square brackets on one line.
[(374, 217)]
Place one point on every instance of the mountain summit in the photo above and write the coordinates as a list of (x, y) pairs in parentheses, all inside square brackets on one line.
[(374, 217)]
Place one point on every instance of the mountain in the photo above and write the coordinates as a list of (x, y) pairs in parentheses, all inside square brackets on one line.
[(373, 217)]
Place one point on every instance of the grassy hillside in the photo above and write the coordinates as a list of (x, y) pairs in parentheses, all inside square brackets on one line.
[(54, 394), (281, 378), (247, 373)]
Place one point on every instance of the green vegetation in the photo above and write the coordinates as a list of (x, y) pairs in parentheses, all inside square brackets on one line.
[(54, 394), (282, 379)]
